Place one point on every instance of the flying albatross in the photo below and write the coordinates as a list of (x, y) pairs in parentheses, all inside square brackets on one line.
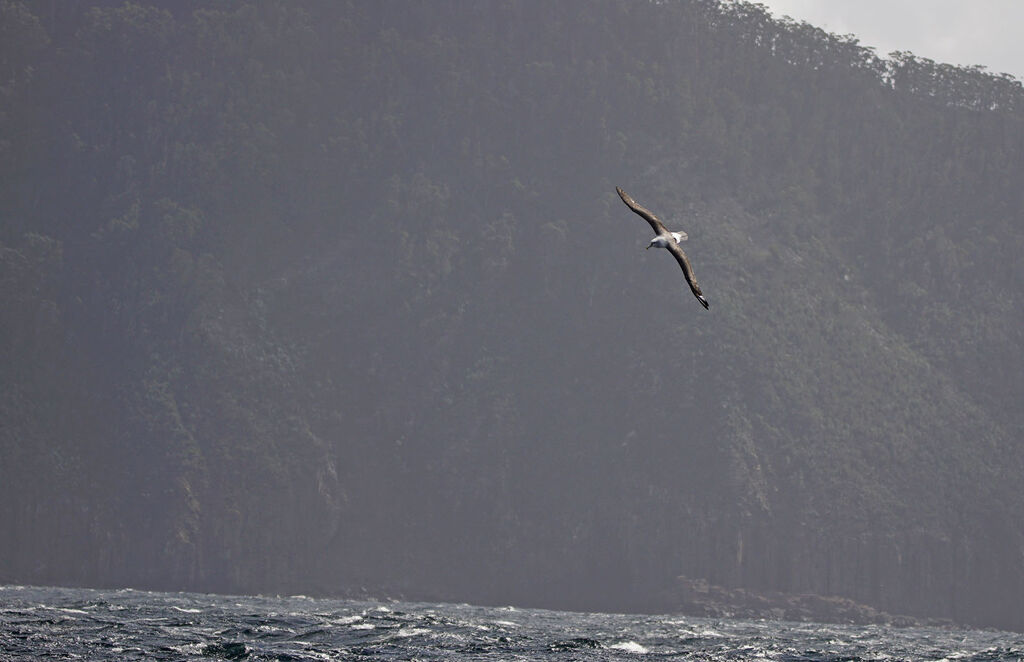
[(667, 240)]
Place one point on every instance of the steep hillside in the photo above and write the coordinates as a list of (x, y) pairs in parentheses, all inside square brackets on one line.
[(333, 298)]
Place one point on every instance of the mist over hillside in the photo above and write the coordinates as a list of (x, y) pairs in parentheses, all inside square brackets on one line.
[(336, 297)]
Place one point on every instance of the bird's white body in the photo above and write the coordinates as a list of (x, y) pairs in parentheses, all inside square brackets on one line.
[(661, 242)]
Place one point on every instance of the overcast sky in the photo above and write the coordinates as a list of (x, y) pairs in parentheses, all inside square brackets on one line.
[(965, 32)]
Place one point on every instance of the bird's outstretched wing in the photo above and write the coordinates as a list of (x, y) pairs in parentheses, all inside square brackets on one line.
[(642, 211), (681, 258)]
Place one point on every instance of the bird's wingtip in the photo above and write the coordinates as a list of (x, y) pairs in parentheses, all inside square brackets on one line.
[(704, 302)]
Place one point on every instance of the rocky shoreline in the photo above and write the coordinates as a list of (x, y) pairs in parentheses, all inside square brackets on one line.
[(697, 597), (700, 598)]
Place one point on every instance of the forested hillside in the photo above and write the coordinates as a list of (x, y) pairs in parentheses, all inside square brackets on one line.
[(329, 297)]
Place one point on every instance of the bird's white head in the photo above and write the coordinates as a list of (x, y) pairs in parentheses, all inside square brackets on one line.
[(657, 242)]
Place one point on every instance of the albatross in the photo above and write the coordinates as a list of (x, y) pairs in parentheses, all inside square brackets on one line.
[(668, 240)]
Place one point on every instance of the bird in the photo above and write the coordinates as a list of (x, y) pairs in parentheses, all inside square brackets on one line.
[(667, 240)]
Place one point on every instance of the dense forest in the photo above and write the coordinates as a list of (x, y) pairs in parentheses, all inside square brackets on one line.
[(338, 297)]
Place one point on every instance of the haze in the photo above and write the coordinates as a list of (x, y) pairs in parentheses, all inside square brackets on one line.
[(339, 299)]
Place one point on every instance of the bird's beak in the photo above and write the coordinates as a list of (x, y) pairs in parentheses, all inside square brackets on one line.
[(647, 247)]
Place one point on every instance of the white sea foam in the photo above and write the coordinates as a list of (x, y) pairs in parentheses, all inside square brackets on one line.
[(507, 624), (363, 626), (629, 647), (347, 620), (307, 650), (188, 649), (186, 610), (411, 632)]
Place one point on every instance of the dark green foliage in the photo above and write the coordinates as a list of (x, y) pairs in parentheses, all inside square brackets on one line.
[(318, 297)]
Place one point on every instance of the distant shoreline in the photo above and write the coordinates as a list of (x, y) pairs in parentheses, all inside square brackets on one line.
[(697, 597), (701, 599)]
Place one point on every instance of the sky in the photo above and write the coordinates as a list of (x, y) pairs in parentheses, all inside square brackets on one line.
[(964, 32)]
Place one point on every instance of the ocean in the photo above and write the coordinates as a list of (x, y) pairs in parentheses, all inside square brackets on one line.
[(82, 624)]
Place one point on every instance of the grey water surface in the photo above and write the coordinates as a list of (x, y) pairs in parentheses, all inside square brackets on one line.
[(85, 624)]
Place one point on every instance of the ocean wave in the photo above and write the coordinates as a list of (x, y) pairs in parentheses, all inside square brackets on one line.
[(112, 625)]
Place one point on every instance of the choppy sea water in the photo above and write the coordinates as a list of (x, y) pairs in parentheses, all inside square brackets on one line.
[(80, 624)]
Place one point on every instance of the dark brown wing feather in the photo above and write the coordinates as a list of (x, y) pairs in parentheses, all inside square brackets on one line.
[(681, 258), (642, 211)]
